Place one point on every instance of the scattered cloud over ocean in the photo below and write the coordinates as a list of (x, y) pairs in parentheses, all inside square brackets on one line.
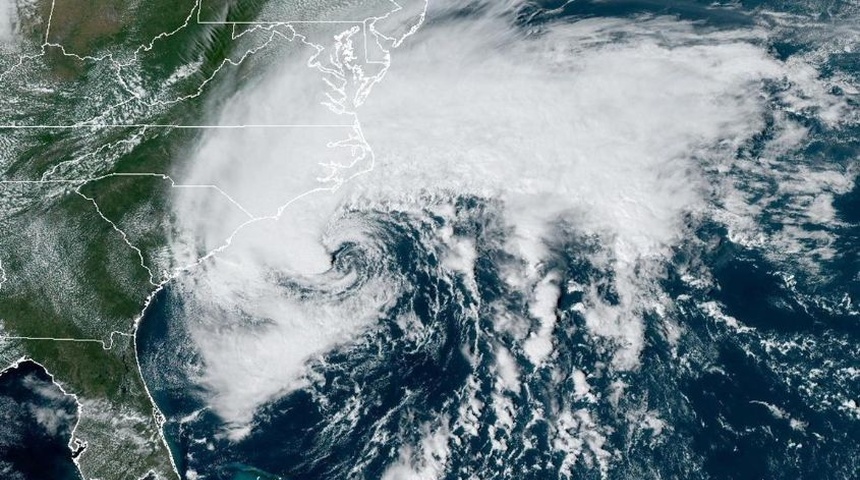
[(610, 125)]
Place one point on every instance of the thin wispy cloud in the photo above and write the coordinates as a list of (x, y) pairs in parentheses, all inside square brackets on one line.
[(603, 123)]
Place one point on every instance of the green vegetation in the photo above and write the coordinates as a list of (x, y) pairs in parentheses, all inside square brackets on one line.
[(116, 418), (92, 372), (230, 10), (138, 206), (34, 21), (70, 274), (82, 26), (159, 151)]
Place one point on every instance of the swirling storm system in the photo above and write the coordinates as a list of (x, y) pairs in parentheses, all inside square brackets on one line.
[(431, 240)]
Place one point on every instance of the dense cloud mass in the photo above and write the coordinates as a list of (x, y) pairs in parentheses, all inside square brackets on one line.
[(607, 124), (548, 180), (429, 239)]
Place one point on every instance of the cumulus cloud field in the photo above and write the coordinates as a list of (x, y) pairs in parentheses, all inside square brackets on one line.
[(610, 125)]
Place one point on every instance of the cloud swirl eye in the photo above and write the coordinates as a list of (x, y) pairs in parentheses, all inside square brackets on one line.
[(489, 239)]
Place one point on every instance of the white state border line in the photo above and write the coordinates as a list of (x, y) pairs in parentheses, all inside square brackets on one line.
[(288, 22), (55, 339), (366, 24), (107, 344), (187, 127), (364, 27), (74, 444), (201, 4), (158, 417), (163, 176)]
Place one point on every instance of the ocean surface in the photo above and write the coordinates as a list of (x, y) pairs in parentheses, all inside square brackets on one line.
[(718, 415), (748, 390), (751, 374), (36, 426)]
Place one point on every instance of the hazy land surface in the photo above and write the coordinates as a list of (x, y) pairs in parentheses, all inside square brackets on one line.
[(592, 231), (85, 237)]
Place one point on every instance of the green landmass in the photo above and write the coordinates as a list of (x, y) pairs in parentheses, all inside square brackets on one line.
[(74, 283), (138, 205), (72, 277)]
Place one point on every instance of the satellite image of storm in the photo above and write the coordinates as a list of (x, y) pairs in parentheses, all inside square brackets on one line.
[(429, 239)]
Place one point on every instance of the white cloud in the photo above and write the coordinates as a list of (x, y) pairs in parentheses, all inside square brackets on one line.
[(51, 419), (255, 335), (430, 460), (539, 344), (608, 124), (570, 124), (8, 20)]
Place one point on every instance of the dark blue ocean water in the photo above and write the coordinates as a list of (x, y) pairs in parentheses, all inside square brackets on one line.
[(736, 404), (31, 447), (755, 404), (720, 425)]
